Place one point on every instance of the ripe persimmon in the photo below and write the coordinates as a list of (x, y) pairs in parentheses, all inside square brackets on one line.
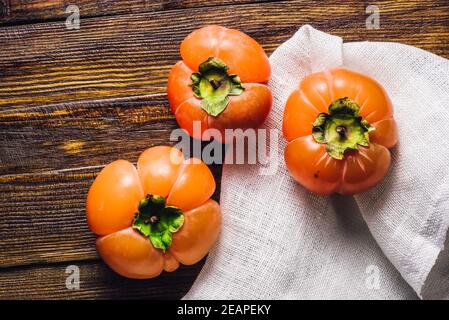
[(339, 126), (220, 82), (154, 216)]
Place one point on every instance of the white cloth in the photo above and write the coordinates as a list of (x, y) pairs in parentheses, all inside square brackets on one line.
[(279, 241)]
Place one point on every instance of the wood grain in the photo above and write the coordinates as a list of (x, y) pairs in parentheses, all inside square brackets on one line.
[(73, 100), (97, 281), (21, 11), (79, 134), (43, 218)]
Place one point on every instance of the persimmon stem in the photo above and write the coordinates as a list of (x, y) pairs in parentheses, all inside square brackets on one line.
[(342, 132), (342, 129), (213, 85), (157, 221)]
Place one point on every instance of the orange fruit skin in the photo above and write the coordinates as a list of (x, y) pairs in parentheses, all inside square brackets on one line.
[(245, 58), (130, 254), (113, 200), (243, 55), (308, 161), (199, 233)]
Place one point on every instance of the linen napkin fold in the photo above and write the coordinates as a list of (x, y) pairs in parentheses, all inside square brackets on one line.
[(280, 241)]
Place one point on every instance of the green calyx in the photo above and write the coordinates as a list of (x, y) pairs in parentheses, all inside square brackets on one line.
[(157, 221), (213, 85), (342, 129)]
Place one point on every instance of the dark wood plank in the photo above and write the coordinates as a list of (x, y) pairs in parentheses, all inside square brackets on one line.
[(79, 134), (20, 11), (43, 218), (131, 55), (97, 281)]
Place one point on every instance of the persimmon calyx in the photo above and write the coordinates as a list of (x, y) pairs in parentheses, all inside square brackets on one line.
[(342, 129), (214, 85), (157, 221)]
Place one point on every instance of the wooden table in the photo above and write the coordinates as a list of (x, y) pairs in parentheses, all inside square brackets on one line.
[(73, 100)]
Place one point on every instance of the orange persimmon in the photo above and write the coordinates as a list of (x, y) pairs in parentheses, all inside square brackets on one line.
[(220, 82), (339, 126), (154, 216)]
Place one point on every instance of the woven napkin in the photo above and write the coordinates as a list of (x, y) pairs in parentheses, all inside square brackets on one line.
[(280, 241)]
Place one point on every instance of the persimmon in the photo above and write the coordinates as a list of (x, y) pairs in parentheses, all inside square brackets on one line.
[(220, 82), (154, 216), (339, 126)]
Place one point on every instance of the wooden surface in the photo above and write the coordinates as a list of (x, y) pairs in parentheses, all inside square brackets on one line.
[(73, 100)]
